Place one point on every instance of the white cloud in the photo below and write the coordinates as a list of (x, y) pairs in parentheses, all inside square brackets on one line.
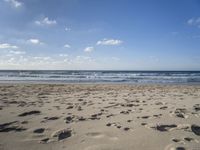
[(89, 49), (45, 21), (35, 41), (67, 29), (67, 46), (14, 3), (7, 46), (194, 22), (109, 42), (17, 52)]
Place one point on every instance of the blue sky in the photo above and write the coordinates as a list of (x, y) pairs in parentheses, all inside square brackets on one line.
[(100, 34)]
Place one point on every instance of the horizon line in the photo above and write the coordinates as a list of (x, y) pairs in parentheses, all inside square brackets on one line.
[(96, 70)]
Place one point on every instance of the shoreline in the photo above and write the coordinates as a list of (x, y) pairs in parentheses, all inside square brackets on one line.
[(94, 83)]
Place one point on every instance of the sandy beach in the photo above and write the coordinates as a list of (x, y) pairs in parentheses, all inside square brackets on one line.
[(99, 117)]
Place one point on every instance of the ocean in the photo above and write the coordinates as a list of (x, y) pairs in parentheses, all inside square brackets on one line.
[(67, 76)]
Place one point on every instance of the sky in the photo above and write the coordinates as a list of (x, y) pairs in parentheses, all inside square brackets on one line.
[(100, 34)]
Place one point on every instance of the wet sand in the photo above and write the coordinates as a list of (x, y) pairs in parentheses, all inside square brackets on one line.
[(99, 117)]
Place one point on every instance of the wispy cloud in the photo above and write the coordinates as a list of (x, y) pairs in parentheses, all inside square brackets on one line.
[(42, 58), (17, 59), (63, 55), (83, 60), (89, 49), (196, 36), (35, 41), (115, 58), (153, 59), (7, 46), (14, 3), (194, 22), (67, 46), (109, 42), (174, 33), (45, 21), (67, 29)]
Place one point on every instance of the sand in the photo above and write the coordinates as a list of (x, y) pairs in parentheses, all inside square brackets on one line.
[(99, 117)]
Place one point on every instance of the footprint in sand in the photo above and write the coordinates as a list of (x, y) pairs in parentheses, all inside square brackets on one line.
[(39, 130), (45, 140), (126, 128), (180, 113), (176, 140), (99, 135), (195, 129), (163, 108), (62, 134), (59, 135), (169, 127), (95, 135), (164, 128), (173, 147), (100, 147), (11, 126), (145, 117), (33, 112), (188, 139), (143, 123), (117, 125), (46, 119), (24, 122), (180, 148), (196, 107), (183, 144)]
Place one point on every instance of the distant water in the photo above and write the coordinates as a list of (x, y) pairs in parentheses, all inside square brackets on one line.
[(100, 76)]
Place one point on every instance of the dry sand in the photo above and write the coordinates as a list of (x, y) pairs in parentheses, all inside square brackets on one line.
[(99, 117)]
